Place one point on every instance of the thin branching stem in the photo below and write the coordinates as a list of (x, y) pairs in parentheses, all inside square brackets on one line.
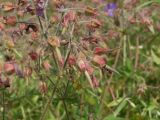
[(64, 103), (107, 84), (49, 102), (3, 103), (65, 107)]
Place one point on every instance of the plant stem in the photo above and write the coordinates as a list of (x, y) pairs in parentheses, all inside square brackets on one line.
[(137, 53), (65, 106), (3, 103), (49, 102), (40, 22), (109, 81), (124, 50)]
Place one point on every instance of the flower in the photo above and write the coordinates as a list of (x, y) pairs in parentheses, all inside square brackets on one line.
[(110, 8), (40, 4)]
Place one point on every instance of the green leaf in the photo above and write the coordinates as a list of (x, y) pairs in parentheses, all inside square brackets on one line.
[(121, 106), (90, 99), (115, 102), (145, 4), (155, 58), (158, 1), (112, 117), (51, 116), (23, 112), (131, 103), (151, 28), (18, 54)]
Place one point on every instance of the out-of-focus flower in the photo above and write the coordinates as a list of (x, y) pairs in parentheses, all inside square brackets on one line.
[(9, 68), (129, 4), (8, 6), (33, 55), (58, 3), (10, 44), (18, 71), (99, 50), (146, 21), (22, 2), (132, 20), (30, 10), (94, 24), (46, 65), (90, 39), (70, 16), (2, 26), (34, 35), (27, 71), (43, 87), (110, 9), (95, 82), (89, 69), (90, 11), (54, 41), (11, 20), (20, 13), (4, 83), (98, 1), (84, 66), (54, 19), (40, 4), (71, 60), (112, 34), (99, 60)]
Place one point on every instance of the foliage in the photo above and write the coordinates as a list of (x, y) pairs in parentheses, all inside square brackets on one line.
[(80, 60)]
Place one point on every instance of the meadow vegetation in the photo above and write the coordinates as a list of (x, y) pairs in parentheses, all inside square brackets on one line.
[(79, 60)]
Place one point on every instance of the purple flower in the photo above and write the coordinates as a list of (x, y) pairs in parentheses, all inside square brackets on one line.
[(110, 8), (40, 4), (40, 11)]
